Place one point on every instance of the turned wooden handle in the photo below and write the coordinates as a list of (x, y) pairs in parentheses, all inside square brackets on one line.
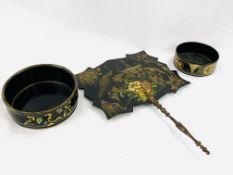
[(178, 124)]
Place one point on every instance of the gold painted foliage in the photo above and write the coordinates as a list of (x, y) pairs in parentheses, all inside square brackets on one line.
[(104, 82), (112, 108), (139, 89), (50, 119), (175, 82), (88, 77), (116, 93)]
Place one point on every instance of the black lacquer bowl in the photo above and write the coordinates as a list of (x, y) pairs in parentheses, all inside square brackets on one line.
[(41, 96), (196, 59)]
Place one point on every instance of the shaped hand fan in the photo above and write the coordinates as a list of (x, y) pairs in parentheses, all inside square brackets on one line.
[(118, 85)]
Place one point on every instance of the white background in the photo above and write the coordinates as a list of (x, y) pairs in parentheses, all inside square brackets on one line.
[(82, 33)]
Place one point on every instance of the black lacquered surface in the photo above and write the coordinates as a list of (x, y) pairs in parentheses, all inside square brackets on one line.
[(41, 96), (197, 53), (39, 88)]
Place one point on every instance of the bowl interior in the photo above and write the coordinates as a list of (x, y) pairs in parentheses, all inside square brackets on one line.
[(39, 88), (197, 53)]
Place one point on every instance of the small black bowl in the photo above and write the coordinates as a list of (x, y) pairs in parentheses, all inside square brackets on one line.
[(196, 59), (41, 96)]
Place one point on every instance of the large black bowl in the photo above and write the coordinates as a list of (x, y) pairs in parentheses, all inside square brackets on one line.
[(41, 96)]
